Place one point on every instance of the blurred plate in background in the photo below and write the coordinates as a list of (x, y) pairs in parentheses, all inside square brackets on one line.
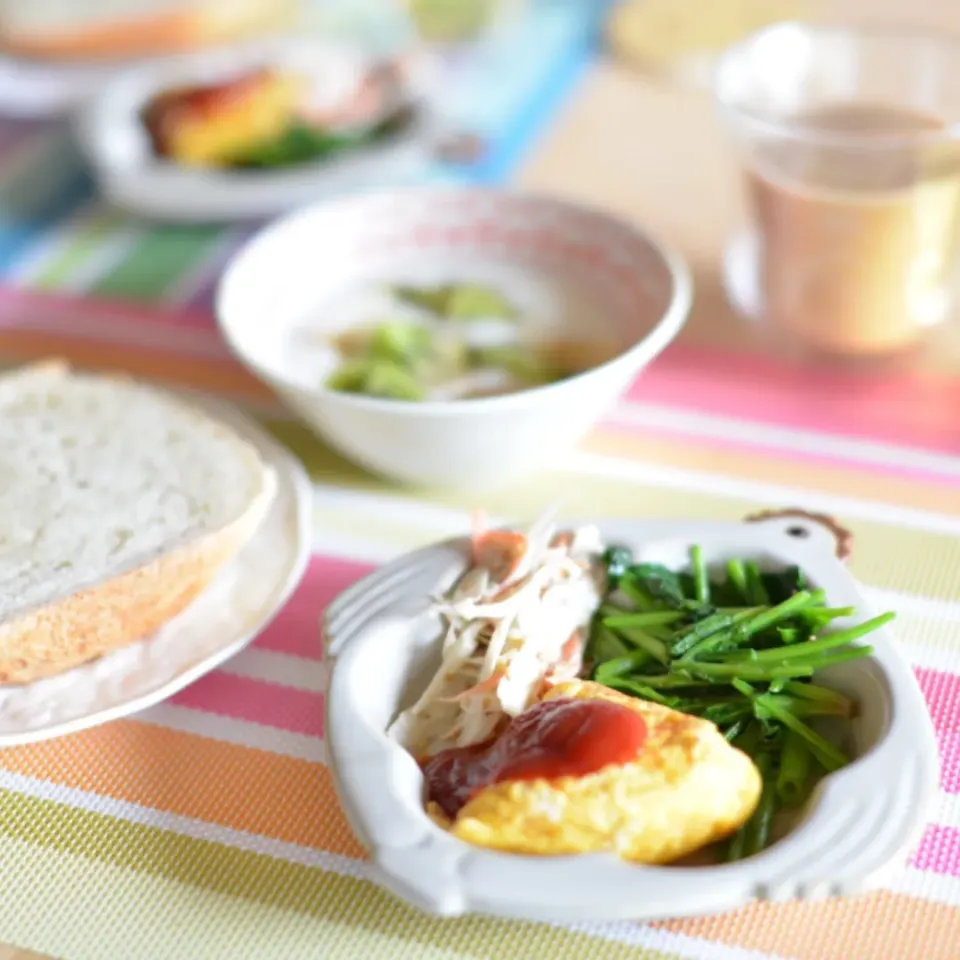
[(115, 141), (54, 55)]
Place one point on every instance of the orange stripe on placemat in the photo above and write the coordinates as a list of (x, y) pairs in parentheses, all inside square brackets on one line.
[(212, 376), (879, 926), (293, 801), (233, 786)]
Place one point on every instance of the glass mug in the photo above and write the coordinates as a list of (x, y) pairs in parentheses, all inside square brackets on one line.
[(850, 144)]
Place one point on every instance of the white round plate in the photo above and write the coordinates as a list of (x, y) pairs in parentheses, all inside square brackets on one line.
[(240, 602), (115, 143), (383, 641), (36, 89)]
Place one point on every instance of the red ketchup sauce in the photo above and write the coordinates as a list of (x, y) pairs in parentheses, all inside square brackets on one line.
[(208, 100), (170, 109), (556, 738)]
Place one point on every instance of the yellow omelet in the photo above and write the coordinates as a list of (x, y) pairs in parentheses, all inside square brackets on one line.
[(688, 788), (209, 126)]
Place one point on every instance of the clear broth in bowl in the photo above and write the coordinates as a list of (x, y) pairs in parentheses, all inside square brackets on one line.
[(455, 341)]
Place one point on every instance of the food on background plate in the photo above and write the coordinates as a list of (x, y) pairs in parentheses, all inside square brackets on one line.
[(264, 118), (699, 721), (120, 29), (454, 341), (210, 125), (123, 502)]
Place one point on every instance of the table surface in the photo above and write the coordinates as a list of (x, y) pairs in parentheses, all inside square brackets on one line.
[(654, 154)]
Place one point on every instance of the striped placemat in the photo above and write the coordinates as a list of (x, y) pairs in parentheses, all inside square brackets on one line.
[(207, 826)]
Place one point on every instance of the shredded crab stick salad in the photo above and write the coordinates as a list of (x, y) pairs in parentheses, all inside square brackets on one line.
[(515, 624)]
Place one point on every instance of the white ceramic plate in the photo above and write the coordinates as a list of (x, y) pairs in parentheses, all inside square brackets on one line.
[(861, 819), (31, 88), (114, 142), (222, 621)]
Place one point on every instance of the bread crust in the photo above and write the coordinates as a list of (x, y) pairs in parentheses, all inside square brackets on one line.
[(128, 607)]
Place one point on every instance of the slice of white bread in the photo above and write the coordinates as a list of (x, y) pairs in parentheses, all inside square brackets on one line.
[(119, 504), (110, 29)]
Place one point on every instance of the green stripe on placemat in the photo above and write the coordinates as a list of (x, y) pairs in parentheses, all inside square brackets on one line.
[(322, 462), (83, 245), (374, 918), (157, 261)]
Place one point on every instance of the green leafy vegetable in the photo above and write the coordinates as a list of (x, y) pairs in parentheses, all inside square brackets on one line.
[(829, 756), (398, 359), (472, 301), (350, 376), (650, 618), (400, 341), (299, 144), (794, 774), (701, 583), (658, 581), (459, 301), (757, 829), (756, 589), (375, 378), (641, 639), (783, 584), (431, 299), (810, 691), (686, 641), (636, 594), (737, 577), (740, 651), (304, 143), (522, 361), (393, 381), (605, 645)]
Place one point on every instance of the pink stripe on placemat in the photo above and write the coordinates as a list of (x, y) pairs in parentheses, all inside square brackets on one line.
[(296, 629), (905, 409), (939, 851), (942, 693), (257, 701), (15, 132), (110, 323), (902, 408), (79, 308)]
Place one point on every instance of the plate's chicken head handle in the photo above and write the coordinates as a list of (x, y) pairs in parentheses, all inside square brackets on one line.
[(842, 536)]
